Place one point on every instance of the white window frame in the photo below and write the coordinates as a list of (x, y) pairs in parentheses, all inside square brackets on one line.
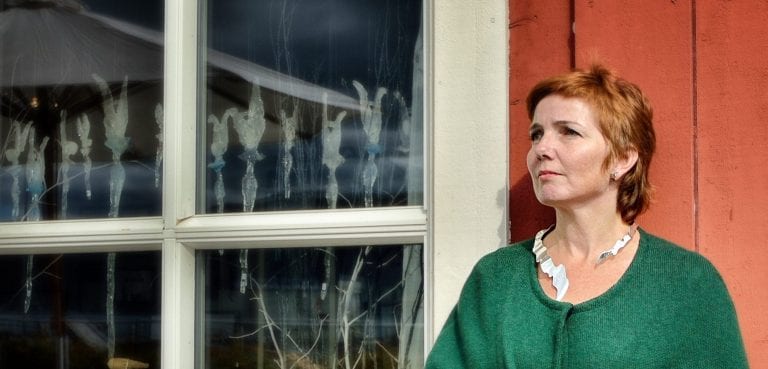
[(463, 218)]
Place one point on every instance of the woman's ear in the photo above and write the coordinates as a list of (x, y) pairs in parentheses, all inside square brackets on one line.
[(622, 165)]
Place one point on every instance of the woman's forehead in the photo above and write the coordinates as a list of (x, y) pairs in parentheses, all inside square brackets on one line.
[(558, 109)]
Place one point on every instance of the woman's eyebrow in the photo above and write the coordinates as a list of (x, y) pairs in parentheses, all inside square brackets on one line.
[(566, 123), (556, 123)]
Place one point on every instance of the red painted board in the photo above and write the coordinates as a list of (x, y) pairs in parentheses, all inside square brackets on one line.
[(539, 47), (650, 44), (732, 64)]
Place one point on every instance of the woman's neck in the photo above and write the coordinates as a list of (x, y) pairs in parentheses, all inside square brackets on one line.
[(585, 234)]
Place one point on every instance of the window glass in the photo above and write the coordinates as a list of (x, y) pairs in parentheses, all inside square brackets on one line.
[(348, 307), (80, 108), (74, 311), (310, 105)]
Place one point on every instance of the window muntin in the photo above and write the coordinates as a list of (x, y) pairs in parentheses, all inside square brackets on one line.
[(311, 307), (80, 109), (54, 310), (313, 114)]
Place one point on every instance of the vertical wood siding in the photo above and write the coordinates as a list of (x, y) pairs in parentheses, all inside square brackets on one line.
[(704, 66)]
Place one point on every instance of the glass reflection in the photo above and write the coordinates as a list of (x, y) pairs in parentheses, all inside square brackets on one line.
[(79, 83), (346, 307), (53, 311), (313, 114)]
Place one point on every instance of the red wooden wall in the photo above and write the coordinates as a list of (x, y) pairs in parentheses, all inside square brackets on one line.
[(704, 66)]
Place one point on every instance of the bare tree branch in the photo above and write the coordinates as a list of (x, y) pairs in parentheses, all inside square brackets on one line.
[(314, 344), (394, 358)]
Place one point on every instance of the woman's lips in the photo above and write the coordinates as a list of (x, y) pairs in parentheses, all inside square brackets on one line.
[(547, 174)]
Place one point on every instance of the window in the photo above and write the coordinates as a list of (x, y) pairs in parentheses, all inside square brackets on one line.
[(311, 115), (81, 131), (65, 310), (168, 235), (319, 307), (80, 110), (304, 116)]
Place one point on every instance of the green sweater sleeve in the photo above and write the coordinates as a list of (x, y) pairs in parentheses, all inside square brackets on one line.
[(711, 332), (467, 339)]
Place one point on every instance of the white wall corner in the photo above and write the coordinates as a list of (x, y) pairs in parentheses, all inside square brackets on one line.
[(468, 203)]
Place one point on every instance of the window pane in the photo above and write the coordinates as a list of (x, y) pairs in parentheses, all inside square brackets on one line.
[(311, 105), (61, 311), (312, 307), (80, 108)]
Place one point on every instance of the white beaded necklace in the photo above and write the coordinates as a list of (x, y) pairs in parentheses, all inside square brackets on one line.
[(557, 272)]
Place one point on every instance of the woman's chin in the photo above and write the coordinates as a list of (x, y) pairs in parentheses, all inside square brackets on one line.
[(550, 199)]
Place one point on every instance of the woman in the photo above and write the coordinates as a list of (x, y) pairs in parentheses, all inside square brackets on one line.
[(593, 290)]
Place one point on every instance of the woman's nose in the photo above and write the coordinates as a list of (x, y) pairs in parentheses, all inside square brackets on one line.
[(543, 147)]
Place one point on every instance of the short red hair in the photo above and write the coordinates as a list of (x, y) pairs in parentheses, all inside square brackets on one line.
[(625, 118)]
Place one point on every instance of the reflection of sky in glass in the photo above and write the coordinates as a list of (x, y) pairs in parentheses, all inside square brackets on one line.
[(145, 13), (324, 35), (327, 42)]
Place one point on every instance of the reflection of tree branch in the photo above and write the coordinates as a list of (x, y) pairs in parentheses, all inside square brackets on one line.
[(288, 266), (360, 352), (325, 251), (249, 334), (41, 273), (393, 357), (273, 328), (45, 270), (376, 303), (367, 333), (386, 262), (385, 294), (347, 299), (396, 321), (410, 309), (314, 344), (349, 203), (287, 335), (347, 322), (355, 319), (355, 330), (270, 323), (394, 196)]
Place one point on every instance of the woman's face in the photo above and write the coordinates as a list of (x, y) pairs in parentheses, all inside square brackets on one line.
[(567, 154)]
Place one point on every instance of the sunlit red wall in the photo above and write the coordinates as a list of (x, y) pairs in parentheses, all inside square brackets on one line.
[(704, 66)]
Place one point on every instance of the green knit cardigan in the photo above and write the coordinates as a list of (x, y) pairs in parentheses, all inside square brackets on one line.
[(670, 309)]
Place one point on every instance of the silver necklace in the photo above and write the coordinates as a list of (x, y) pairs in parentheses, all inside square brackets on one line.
[(557, 272)]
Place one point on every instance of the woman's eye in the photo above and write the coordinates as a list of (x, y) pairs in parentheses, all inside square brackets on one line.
[(535, 135), (571, 132)]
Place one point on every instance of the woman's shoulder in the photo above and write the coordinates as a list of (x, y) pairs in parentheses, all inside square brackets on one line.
[(675, 260), (497, 274), (663, 247), (512, 255), (517, 250)]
